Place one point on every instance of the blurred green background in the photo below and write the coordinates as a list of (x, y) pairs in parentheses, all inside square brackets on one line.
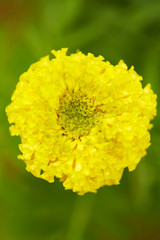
[(31, 208)]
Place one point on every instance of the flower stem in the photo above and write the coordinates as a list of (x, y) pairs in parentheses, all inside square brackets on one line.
[(80, 216)]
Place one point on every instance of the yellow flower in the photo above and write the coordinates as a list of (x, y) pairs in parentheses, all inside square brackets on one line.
[(81, 119)]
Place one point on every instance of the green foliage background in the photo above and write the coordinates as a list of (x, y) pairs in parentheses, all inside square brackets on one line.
[(31, 208)]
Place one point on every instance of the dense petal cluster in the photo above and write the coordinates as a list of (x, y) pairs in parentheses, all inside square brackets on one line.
[(81, 119)]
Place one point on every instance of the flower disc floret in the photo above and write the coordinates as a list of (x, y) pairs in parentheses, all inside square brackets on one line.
[(76, 114), (81, 119)]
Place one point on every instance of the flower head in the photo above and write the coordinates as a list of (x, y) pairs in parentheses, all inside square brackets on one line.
[(81, 119)]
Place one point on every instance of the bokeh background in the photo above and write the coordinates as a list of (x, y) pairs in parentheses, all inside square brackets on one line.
[(31, 208)]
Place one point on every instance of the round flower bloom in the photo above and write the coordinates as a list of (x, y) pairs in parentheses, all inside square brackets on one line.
[(81, 119)]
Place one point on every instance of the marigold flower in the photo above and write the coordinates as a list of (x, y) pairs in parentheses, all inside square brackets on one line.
[(81, 119)]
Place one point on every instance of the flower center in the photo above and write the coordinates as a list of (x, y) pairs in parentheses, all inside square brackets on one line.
[(76, 114)]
